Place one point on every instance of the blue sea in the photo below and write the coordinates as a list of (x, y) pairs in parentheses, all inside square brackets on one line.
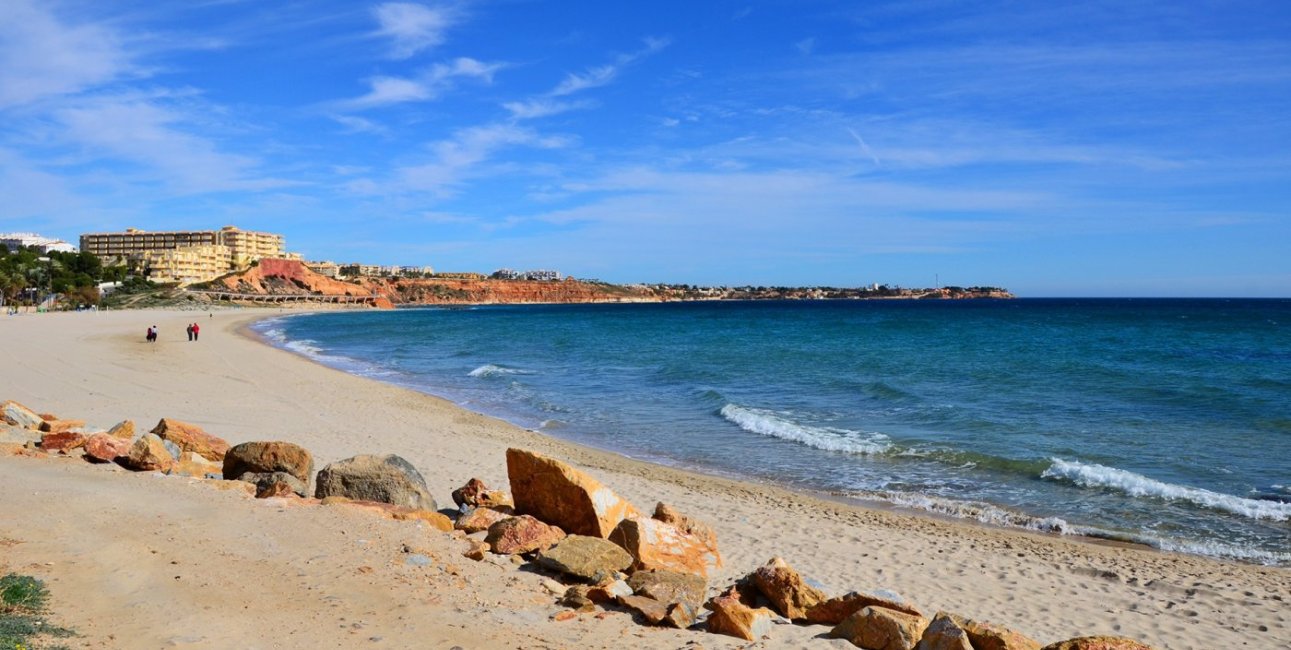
[(1163, 422)]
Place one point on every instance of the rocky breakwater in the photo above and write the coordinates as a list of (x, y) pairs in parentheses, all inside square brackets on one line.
[(604, 554)]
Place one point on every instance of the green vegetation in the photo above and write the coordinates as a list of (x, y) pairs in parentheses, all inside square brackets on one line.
[(27, 276), (22, 608)]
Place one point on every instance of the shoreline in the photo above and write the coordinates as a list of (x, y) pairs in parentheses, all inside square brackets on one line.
[(237, 386)]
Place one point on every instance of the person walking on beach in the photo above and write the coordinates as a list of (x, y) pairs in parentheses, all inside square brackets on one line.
[(152, 335), (196, 330), (190, 332)]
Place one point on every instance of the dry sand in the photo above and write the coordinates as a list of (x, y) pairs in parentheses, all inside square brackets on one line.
[(145, 561)]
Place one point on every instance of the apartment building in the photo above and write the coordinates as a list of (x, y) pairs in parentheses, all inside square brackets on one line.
[(185, 256), (15, 240)]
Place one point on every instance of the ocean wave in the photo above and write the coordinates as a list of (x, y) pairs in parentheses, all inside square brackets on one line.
[(975, 510), (490, 370), (771, 423), (1137, 485)]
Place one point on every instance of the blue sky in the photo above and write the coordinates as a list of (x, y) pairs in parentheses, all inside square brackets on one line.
[(1082, 148)]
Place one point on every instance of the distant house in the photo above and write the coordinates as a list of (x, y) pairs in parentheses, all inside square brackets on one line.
[(15, 240)]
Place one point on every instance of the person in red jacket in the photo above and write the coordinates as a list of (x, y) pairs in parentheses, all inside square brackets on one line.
[(196, 330)]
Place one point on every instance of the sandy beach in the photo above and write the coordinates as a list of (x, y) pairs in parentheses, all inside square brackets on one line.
[(146, 561)]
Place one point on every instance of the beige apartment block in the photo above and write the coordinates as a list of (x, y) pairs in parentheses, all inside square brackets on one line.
[(186, 256)]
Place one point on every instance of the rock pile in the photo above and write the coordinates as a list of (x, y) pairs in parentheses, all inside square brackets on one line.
[(557, 518)]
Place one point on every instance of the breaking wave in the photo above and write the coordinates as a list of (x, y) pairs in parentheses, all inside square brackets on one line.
[(1137, 485), (490, 370), (771, 423)]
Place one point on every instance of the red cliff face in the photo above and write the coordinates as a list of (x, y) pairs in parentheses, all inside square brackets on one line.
[(290, 277)]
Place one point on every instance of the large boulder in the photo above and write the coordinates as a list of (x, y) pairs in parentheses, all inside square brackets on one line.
[(523, 534), (561, 495), (480, 519), (732, 617), (269, 457), (655, 544), (989, 636), (477, 495), (190, 437), (586, 558), (387, 479), (944, 634), (834, 610), (105, 447), (148, 454), (123, 429), (789, 594), (64, 441), (876, 628), (18, 415), (1098, 643)]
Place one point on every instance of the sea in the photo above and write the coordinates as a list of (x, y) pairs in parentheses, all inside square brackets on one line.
[(1165, 422)]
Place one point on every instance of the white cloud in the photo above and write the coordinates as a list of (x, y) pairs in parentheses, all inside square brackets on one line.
[(42, 57), (535, 108), (398, 90), (456, 158), (465, 67), (413, 27), (805, 46), (354, 124), (604, 74)]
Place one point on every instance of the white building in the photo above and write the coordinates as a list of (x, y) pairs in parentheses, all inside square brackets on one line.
[(14, 240)]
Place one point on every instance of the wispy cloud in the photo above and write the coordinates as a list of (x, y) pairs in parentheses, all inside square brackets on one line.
[(40, 56), (541, 107), (386, 90), (413, 27), (459, 157), (601, 75)]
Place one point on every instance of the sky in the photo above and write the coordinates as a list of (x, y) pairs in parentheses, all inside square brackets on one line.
[(1120, 148)]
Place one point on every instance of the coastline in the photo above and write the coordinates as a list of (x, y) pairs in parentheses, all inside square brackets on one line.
[(241, 388)]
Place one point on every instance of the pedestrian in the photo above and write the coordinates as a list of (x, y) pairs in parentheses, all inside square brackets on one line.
[(190, 332), (196, 329), (152, 336)]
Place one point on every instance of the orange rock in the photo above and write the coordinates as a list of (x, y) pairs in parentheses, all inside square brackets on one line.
[(436, 520), (105, 448), (875, 627), (654, 544), (561, 495), (944, 634), (689, 525), (263, 457), (476, 551), (834, 610), (148, 454), (195, 466), (19, 416), (989, 636), (732, 617), (787, 591), (523, 534), (61, 426), (123, 429), (61, 442), (231, 486), (476, 495), (1098, 643), (190, 437), (479, 519)]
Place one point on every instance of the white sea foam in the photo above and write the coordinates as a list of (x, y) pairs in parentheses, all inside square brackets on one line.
[(490, 370), (1137, 485), (977, 511), (776, 425)]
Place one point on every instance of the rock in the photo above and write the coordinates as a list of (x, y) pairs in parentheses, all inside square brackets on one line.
[(876, 628), (387, 479), (267, 457), (989, 636), (655, 544), (651, 610), (123, 429), (20, 436), (196, 466), (789, 594), (18, 415), (148, 454), (522, 534), (476, 551), (480, 519), (105, 447), (944, 634), (682, 593), (586, 558), (191, 437), (688, 525), (576, 599), (231, 486), (1098, 643), (476, 495), (273, 484), (62, 426), (834, 610), (61, 442), (608, 591), (732, 617), (563, 496)]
